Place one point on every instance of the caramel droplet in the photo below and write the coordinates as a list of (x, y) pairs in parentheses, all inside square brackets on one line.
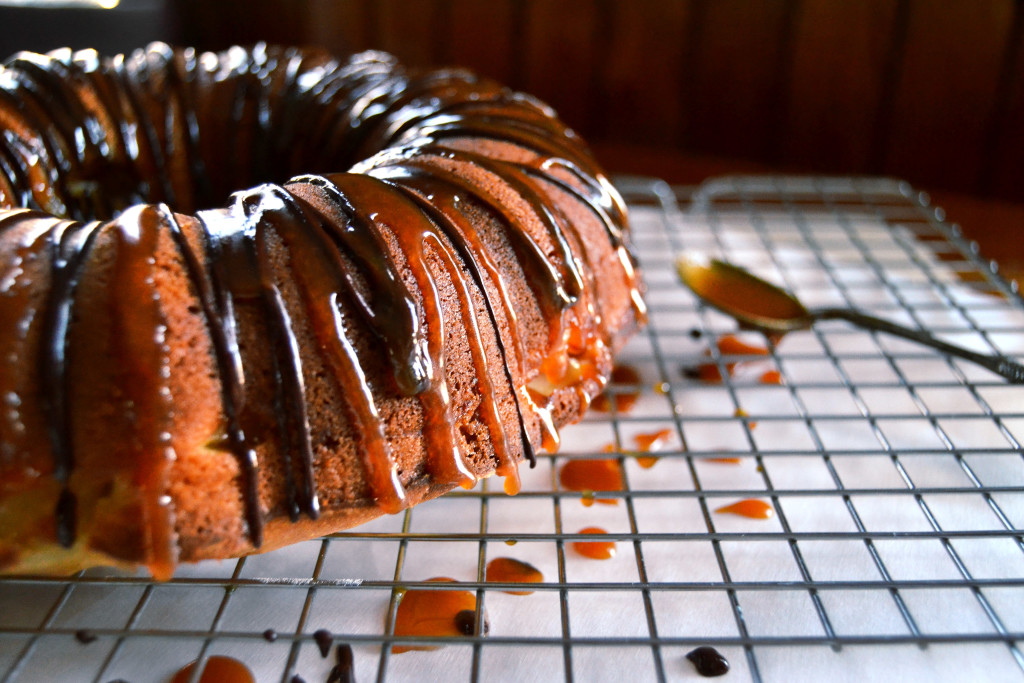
[(624, 400), (706, 372), (588, 476), (425, 612), (728, 345), (740, 413), (508, 570), (653, 441), (218, 669), (771, 377), (750, 507), (595, 550)]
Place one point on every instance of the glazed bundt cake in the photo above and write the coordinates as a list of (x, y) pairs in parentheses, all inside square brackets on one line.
[(182, 382)]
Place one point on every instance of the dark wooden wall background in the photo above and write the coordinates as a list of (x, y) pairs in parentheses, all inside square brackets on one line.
[(928, 90)]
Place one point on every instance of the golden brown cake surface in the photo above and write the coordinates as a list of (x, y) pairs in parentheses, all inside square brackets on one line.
[(182, 382)]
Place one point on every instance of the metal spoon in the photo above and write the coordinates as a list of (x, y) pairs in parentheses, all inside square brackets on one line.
[(760, 305)]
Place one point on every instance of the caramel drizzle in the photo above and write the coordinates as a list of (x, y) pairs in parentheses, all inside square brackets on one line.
[(386, 303), (323, 285), (558, 228), (564, 329), (18, 313), (562, 282), (599, 196), (140, 339), (132, 74), (576, 340), (413, 232), (442, 210), (43, 181), (13, 183), (605, 203), (443, 192)]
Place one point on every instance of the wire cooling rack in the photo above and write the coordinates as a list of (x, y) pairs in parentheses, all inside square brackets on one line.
[(896, 477)]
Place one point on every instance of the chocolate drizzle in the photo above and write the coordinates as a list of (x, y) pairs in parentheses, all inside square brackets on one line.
[(290, 392), (69, 247), (234, 274), (385, 302), (326, 287), (466, 241), (373, 251), (213, 302), (557, 293)]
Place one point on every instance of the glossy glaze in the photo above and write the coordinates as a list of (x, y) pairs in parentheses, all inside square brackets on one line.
[(183, 129)]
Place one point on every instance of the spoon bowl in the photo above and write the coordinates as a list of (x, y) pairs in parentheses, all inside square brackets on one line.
[(759, 305), (753, 302)]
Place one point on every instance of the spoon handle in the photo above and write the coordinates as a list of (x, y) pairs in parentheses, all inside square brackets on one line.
[(998, 364)]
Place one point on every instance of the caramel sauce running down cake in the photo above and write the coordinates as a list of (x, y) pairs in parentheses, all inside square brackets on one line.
[(182, 382)]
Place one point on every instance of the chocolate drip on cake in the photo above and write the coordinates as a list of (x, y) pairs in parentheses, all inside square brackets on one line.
[(67, 256)]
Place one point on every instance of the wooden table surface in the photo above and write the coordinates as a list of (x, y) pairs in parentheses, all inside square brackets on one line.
[(997, 226)]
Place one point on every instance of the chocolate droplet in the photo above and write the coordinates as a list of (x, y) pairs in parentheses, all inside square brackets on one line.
[(344, 671), (85, 637), (465, 622), (324, 639), (708, 661), (67, 518)]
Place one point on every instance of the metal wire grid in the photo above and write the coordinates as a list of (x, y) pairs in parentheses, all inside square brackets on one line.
[(896, 476)]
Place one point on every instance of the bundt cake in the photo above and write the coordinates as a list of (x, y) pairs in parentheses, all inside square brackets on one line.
[(182, 382)]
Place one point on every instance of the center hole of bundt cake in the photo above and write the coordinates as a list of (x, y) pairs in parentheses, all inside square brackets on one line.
[(104, 191)]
